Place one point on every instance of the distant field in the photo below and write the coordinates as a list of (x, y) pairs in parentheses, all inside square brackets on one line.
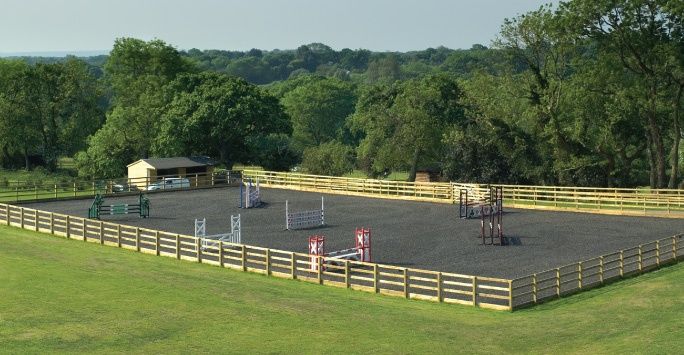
[(68, 296)]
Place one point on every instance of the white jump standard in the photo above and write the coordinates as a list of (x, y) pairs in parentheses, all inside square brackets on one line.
[(212, 240), (250, 194), (304, 219)]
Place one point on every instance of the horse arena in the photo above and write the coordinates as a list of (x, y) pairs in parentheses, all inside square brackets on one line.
[(411, 234)]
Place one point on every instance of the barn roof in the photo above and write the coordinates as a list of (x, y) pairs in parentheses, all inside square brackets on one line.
[(176, 162)]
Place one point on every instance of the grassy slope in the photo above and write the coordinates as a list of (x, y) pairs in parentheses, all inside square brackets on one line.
[(61, 295)]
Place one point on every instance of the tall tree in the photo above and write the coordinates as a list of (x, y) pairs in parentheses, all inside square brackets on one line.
[(639, 32), (231, 116), (319, 109)]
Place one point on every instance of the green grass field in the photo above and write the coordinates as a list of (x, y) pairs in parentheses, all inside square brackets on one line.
[(60, 295)]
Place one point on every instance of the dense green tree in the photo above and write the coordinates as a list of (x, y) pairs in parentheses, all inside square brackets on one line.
[(331, 158), (403, 125), (137, 72), (318, 109), (640, 33), (220, 116)]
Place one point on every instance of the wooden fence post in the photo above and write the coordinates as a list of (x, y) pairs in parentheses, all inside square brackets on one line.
[(558, 284), (21, 217), (657, 253), (244, 258), (118, 236), (52, 223), (137, 238), (640, 261), (474, 290), (674, 246), (35, 220), (268, 262), (293, 266), (156, 242), (439, 287), (407, 291), (84, 229), (622, 263), (534, 288), (347, 276), (7, 214), (579, 275), (55, 190), (601, 268), (510, 295), (376, 276), (74, 188), (198, 247), (220, 252), (319, 260), (178, 247), (101, 232), (66, 225)]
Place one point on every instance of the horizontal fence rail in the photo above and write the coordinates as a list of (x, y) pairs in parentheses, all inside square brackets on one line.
[(70, 190), (418, 191), (618, 201), (485, 292)]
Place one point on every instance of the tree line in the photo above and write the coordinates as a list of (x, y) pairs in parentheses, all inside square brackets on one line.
[(584, 93)]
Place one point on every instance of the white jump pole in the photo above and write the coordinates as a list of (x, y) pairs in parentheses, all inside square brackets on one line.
[(322, 212)]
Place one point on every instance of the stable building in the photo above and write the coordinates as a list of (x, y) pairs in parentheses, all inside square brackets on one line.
[(145, 171)]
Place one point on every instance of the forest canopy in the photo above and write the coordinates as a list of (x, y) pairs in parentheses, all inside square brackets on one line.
[(588, 92)]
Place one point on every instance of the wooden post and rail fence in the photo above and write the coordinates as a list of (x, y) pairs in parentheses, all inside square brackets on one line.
[(617, 201), (485, 292)]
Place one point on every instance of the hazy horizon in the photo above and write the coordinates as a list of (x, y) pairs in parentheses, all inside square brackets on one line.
[(91, 26)]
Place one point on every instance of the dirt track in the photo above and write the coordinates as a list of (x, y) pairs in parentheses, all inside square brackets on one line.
[(412, 234)]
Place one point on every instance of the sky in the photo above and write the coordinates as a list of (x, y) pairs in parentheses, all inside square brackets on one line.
[(87, 26)]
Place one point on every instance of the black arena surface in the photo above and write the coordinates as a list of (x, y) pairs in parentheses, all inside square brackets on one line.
[(404, 233)]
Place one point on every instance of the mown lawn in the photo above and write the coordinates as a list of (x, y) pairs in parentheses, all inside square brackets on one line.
[(60, 295)]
